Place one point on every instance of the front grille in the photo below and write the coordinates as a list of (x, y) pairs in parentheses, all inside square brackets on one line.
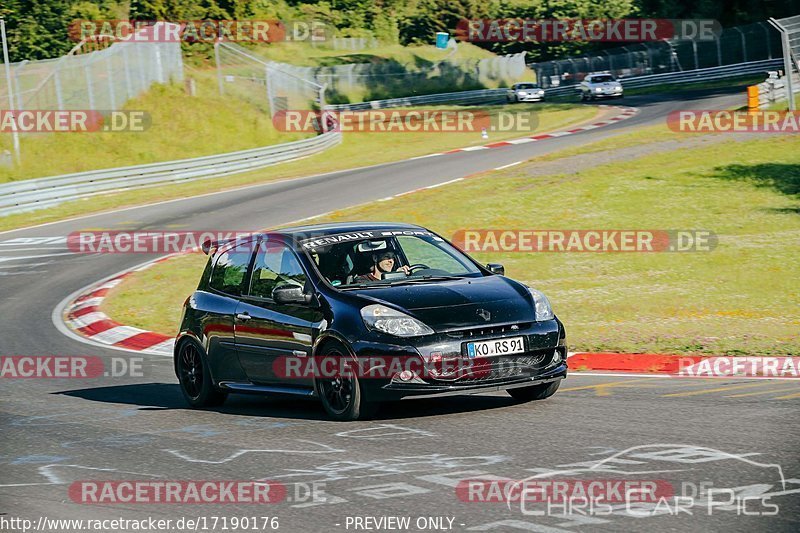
[(499, 368), (488, 331)]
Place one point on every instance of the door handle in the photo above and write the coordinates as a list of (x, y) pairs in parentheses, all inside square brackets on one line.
[(243, 316)]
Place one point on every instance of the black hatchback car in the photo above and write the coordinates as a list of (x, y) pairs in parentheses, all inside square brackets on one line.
[(359, 313)]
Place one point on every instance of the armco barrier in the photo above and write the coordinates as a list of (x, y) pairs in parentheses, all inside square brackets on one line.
[(482, 96), (686, 76), (27, 195)]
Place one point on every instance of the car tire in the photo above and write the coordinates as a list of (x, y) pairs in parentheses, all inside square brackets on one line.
[(343, 397), (194, 377), (536, 392)]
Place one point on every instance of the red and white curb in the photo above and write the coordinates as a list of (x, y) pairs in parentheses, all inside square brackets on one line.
[(625, 113), (79, 317)]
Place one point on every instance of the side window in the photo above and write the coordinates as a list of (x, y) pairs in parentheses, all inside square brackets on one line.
[(230, 269), (275, 265)]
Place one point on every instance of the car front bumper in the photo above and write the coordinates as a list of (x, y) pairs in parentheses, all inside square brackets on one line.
[(530, 97), (459, 374), (431, 390)]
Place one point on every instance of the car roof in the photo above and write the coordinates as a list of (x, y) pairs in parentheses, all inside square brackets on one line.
[(344, 227)]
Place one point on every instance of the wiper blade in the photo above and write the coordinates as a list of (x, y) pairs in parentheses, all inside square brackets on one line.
[(423, 278), (415, 279)]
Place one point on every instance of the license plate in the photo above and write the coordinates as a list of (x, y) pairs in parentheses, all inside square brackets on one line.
[(507, 346)]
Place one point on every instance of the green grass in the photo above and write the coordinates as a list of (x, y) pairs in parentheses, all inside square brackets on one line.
[(181, 126), (782, 105), (152, 299), (741, 298), (357, 149), (407, 70), (639, 137), (306, 55)]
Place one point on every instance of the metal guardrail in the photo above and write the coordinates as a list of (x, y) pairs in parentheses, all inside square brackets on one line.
[(773, 90), (27, 195), (487, 96), (686, 76), (482, 96)]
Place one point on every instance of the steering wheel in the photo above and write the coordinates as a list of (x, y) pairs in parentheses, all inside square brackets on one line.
[(417, 266)]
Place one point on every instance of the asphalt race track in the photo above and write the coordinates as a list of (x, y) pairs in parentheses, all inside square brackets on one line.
[(687, 434)]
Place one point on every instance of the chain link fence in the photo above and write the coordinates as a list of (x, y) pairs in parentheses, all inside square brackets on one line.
[(100, 80), (360, 82), (269, 85), (753, 42), (789, 29)]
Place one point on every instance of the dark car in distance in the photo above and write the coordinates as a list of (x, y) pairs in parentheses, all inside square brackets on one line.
[(359, 313)]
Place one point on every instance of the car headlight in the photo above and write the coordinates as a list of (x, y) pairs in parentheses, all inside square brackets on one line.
[(598, 90), (521, 93), (618, 89), (543, 309), (541, 93), (391, 321)]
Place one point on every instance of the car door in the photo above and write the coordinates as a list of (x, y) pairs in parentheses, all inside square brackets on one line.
[(217, 306), (275, 340)]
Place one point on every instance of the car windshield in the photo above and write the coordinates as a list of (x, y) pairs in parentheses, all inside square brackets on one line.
[(380, 258), (526, 86), (602, 79)]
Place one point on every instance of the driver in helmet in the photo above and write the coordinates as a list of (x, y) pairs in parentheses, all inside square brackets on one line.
[(382, 262)]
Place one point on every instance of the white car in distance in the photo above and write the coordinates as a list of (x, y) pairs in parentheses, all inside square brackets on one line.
[(525, 92), (596, 86)]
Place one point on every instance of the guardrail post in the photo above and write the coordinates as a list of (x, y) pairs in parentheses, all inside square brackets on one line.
[(694, 51), (270, 96), (125, 60), (766, 36), (57, 85), (219, 67), (110, 76), (744, 44), (10, 91), (16, 85), (159, 66), (89, 89), (787, 62)]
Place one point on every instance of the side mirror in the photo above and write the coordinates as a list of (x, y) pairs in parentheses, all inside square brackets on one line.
[(291, 294), (496, 268)]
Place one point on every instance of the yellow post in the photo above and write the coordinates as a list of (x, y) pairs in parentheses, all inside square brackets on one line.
[(752, 97)]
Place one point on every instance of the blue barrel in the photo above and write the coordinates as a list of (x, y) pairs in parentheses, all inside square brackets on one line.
[(442, 38)]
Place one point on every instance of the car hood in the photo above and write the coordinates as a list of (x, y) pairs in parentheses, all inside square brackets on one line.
[(457, 304)]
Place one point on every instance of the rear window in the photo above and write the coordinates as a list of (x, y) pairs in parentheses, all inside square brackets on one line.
[(230, 269)]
